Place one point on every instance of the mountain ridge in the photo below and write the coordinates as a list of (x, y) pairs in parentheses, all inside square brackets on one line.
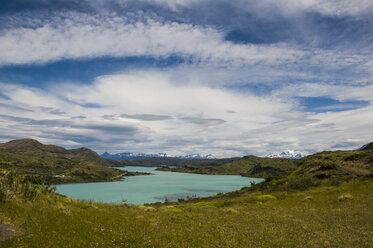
[(56, 164), (291, 154), (135, 156), (368, 146)]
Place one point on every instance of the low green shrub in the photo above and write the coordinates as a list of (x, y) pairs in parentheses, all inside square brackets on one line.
[(266, 197), (345, 196)]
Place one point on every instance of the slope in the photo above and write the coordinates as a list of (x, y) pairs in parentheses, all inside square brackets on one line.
[(55, 164), (250, 166)]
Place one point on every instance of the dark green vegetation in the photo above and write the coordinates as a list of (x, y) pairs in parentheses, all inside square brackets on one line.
[(54, 164), (250, 166), (325, 168), (326, 201), (315, 169)]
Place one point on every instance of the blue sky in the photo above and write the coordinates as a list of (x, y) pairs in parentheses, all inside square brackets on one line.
[(227, 78)]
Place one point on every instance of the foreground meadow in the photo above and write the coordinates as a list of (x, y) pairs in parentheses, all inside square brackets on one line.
[(330, 216)]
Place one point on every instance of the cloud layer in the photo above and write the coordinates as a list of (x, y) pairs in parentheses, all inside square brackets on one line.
[(78, 35), (222, 77), (185, 118)]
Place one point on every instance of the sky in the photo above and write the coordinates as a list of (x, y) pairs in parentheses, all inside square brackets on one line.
[(222, 77)]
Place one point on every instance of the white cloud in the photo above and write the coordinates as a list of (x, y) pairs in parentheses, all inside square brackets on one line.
[(76, 35), (195, 111), (328, 7), (150, 111), (325, 7)]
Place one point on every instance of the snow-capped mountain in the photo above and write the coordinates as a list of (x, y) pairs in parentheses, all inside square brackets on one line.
[(134, 156), (287, 154), (197, 156)]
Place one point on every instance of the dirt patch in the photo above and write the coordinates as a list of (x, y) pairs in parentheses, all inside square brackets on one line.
[(8, 231)]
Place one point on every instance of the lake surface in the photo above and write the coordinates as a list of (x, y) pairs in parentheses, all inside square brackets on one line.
[(155, 188)]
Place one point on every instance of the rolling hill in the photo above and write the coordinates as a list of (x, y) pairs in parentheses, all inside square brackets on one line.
[(54, 164), (250, 166)]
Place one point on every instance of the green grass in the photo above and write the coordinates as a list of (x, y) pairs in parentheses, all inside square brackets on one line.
[(284, 220)]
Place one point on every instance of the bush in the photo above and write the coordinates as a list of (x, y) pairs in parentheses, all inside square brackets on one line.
[(11, 186), (327, 166), (302, 183), (345, 196), (308, 198), (266, 197), (8, 185), (370, 159), (355, 157)]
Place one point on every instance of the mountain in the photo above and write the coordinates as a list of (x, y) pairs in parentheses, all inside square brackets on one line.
[(136, 156), (366, 147), (176, 162), (196, 156), (55, 164), (291, 154), (132, 156), (326, 168), (19, 144)]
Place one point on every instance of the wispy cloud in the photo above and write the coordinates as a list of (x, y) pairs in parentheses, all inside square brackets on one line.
[(147, 117), (76, 35), (203, 121), (326, 7)]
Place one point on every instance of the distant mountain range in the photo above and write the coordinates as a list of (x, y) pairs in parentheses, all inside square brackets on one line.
[(291, 154), (135, 156)]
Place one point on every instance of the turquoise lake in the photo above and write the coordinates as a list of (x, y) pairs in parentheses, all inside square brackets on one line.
[(155, 188)]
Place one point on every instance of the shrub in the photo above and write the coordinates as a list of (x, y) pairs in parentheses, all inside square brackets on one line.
[(355, 157), (308, 198), (266, 197), (327, 166), (11, 185), (345, 196), (146, 209), (8, 185), (302, 183), (370, 159)]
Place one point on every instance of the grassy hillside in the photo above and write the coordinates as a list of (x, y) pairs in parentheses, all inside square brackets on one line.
[(55, 164), (315, 169), (326, 168), (327, 216), (250, 166)]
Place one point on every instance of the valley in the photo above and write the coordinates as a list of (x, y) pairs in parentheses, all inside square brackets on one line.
[(322, 200)]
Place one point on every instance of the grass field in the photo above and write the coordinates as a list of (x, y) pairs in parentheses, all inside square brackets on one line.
[(322, 217)]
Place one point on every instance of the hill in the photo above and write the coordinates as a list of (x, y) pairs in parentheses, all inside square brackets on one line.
[(54, 164), (250, 166), (325, 168), (367, 147)]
